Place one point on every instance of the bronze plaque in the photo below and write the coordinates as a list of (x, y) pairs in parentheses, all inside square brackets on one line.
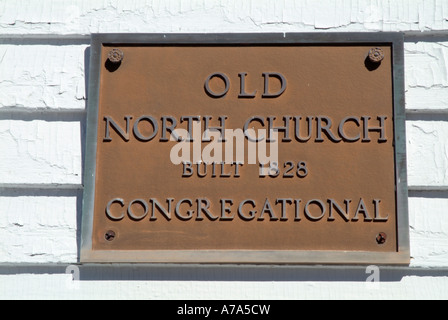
[(246, 149)]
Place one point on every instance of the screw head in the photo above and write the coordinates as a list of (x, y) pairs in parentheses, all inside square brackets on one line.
[(381, 238), (376, 55), (109, 235), (115, 55)]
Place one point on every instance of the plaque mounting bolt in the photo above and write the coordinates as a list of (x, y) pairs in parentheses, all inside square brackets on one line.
[(115, 56), (381, 238), (376, 55), (110, 235)]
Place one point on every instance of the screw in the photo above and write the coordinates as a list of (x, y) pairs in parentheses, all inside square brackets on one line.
[(376, 55), (115, 55), (381, 238), (110, 235)]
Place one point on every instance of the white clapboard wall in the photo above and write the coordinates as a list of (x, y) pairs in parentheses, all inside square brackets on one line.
[(43, 68)]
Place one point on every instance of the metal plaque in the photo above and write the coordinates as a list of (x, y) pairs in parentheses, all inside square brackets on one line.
[(246, 148)]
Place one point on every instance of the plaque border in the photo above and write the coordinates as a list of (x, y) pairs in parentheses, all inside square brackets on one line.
[(400, 257)]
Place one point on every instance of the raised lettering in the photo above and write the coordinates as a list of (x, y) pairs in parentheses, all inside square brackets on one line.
[(109, 204), (319, 204), (243, 93), (111, 123), (252, 213), (210, 92), (279, 76)]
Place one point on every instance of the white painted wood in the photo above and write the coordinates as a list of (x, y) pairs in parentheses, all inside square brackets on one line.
[(38, 229), (87, 16), (42, 78), (426, 71), (428, 219), (40, 152), (427, 153)]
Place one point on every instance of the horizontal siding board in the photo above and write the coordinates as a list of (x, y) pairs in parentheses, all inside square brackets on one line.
[(86, 16), (48, 76), (428, 220), (42, 77), (427, 153), (40, 152), (258, 285), (426, 74), (49, 152), (38, 229), (43, 229)]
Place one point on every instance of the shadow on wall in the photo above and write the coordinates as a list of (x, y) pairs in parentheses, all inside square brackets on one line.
[(246, 273)]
